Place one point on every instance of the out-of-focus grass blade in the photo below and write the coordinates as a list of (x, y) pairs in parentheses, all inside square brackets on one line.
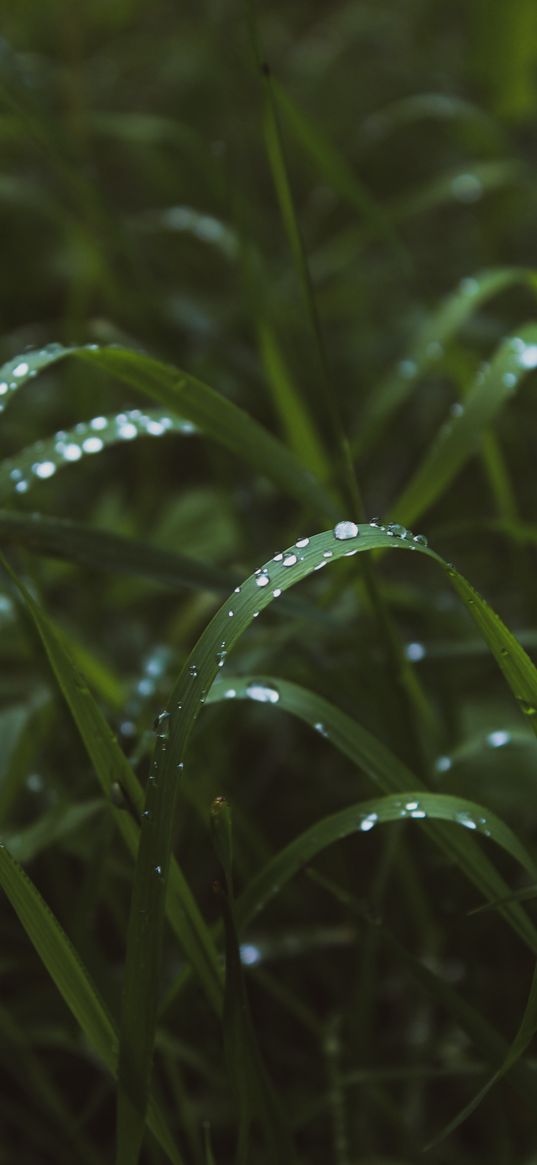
[(186, 219), (71, 978), (215, 416), (39, 462), (526, 894), (522, 1039), (423, 106), (301, 435), (175, 726), (332, 165), (104, 550), (434, 334), (361, 818), (255, 1094), (53, 826), (483, 1034), (459, 437), (111, 764)]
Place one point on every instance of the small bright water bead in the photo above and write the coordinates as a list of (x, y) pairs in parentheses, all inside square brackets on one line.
[(499, 738), (414, 652), (368, 822), (443, 764), (263, 693), (21, 369), (302, 542), (43, 469), (262, 579), (346, 529), (528, 356)]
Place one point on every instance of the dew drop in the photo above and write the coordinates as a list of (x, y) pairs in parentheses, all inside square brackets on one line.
[(44, 469), (158, 871), (527, 708), (99, 423), (72, 452), (277, 557), (414, 652), (161, 724), (321, 728), (407, 369), (466, 820), (499, 738), (466, 188), (528, 357), (368, 822), (443, 764), (420, 539), (92, 445), (230, 694), (21, 369), (289, 560), (231, 614), (345, 530), (509, 379), (277, 592), (262, 579), (250, 954), (263, 693), (396, 530), (302, 542), (127, 431)]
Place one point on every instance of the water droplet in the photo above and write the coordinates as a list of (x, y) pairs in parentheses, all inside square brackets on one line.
[(72, 452), (456, 409), (147, 814), (92, 445), (277, 592), (250, 954), (396, 530), (466, 820), (434, 350), (43, 468), (237, 591), (221, 658), (262, 579), (155, 428), (345, 530), (417, 812), (3, 387), (420, 539), (467, 188), (321, 728), (527, 708), (509, 379), (443, 763), (230, 694), (21, 487), (302, 542), (277, 557), (499, 738), (21, 369), (407, 369), (368, 822), (290, 560), (158, 871), (99, 423), (263, 693), (192, 670), (127, 431), (231, 614), (161, 725), (415, 651), (528, 357)]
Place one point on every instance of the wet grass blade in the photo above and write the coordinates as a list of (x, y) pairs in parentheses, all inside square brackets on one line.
[(459, 437), (191, 399), (71, 978), (111, 764), (176, 723), (363, 817), (438, 329), (42, 460)]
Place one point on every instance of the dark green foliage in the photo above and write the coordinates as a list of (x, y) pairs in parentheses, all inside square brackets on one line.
[(268, 859)]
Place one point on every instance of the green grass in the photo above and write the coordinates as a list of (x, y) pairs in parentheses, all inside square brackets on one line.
[(268, 812)]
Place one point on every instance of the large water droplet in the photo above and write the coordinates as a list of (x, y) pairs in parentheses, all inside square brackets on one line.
[(263, 693), (302, 542), (499, 738), (262, 580), (290, 560), (21, 369), (345, 530), (420, 539), (44, 469)]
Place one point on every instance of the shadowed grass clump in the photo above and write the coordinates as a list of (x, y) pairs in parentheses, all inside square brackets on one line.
[(267, 789)]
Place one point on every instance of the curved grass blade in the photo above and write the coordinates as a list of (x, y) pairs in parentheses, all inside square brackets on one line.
[(176, 723), (420, 106), (187, 220), (71, 978), (104, 550), (522, 1039), (361, 818), (436, 332), (460, 436), (214, 415), (40, 461), (110, 765), (295, 418)]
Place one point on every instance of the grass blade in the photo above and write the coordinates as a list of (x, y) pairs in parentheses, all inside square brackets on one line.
[(71, 978), (216, 417), (111, 764), (460, 436)]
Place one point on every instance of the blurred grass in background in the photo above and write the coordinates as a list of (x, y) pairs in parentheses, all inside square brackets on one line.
[(146, 202)]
